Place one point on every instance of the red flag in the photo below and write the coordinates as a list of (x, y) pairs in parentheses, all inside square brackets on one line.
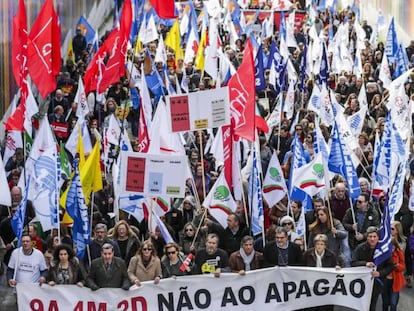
[(92, 73), (15, 122), (227, 132), (19, 44), (44, 49), (115, 67), (143, 136), (164, 8), (243, 96)]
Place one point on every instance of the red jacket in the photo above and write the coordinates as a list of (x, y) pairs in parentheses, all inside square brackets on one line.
[(399, 268)]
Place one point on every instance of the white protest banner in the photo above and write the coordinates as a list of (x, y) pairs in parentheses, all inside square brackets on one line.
[(282, 289), (153, 174), (199, 110)]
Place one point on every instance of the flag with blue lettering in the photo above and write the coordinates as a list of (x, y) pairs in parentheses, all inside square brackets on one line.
[(382, 160), (299, 159), (45, 187), (391, 46), (320, 145), (323, 69), (401, 62), (259, 76), (356, 121), (256, 198), (78, 211), (340, 162), (383, 250), (132, 204), (19, 218)]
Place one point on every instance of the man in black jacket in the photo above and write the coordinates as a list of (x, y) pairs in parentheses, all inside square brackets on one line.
[(281, 252), (108, 271), (364, 256)]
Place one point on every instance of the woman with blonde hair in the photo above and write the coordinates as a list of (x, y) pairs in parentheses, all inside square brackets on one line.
[(145, 265), (398, 234), (126, 238)]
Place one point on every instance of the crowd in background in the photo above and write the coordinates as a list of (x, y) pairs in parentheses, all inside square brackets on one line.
[(127, 252)]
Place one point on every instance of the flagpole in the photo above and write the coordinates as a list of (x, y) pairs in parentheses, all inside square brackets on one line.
[(352, 211), (330, 215), (203, 179), (203, 216), (150, 214), (240, 182), (197, 198)]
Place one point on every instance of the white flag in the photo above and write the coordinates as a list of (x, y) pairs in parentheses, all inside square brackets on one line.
[(219, 201), (80, 98), (274, 184), (384, 73), (313, 177), (5, 198)]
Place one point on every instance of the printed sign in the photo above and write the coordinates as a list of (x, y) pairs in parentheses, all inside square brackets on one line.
[(153, 175)]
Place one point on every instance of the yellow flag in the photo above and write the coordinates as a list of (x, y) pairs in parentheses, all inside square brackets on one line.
[(69, 53), (173, 40), (199, 60), (90, 174), (138, 47), (81, 153)]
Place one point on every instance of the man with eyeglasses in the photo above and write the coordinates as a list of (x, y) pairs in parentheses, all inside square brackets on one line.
[(27, 264), (281, 252), (365, 216), (364, 256), (108, 271)]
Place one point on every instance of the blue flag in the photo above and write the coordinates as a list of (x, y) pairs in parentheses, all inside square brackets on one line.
[(299, 159), (303, 68), (138, 9), (382, 158), (87, 29), (323, 69), (18, 220), (259, 70), (383, 250), (401, 62), (78, 211), (340, 162), (256, 198), (391, 46)]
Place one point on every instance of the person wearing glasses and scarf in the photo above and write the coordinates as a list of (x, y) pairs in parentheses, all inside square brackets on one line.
[(145, 265), (172, 262)]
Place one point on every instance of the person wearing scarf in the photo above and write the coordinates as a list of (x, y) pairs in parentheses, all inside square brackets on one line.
[(246, 258)]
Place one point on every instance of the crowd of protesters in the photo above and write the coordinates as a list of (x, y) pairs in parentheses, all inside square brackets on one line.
[(126, 252)]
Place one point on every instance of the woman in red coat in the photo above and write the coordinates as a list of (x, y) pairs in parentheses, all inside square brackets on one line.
[(395, 281)]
